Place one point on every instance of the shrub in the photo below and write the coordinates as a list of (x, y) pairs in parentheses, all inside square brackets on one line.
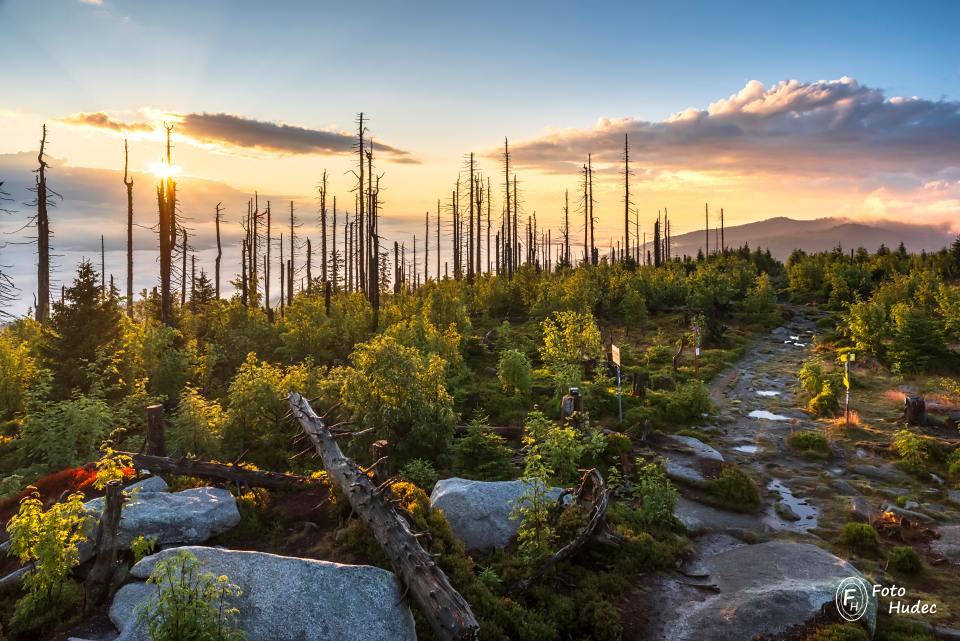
[(616, 445), (810, 444), (562, 450), (196, 426), (913, 451), (825, 403), (47, 542), (190, 604), (840, 632), (655, 494), (482, 455), (513, 371), (66, 433), (535, 534), (734, 490), (904, 630), (905, 559), (570, 338), (859, 536), (421, 473)]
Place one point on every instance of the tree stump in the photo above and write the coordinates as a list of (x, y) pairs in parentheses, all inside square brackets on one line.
[(156, 444), (97, 584), (914, 410), (381, 460)]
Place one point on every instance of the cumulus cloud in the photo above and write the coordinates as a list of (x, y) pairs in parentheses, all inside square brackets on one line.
[(824, 128), (235, 131)]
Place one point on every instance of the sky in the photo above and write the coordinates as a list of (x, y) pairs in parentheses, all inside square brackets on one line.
[(767, 109)]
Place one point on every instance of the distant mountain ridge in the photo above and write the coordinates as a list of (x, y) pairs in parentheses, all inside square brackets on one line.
[(782, 235)]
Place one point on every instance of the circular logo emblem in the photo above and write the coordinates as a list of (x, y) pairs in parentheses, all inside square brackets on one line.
[(853, 598)]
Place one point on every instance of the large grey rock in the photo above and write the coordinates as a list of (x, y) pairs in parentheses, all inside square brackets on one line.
[(286, 599), (948, 545), (690, 460), (860, 508), (479, 512), (879, 472), (699, 518), (762, 589), (177, 518)]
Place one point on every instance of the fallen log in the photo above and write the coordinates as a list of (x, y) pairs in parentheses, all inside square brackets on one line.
[(444, 608), (594, 526), (220, 471)]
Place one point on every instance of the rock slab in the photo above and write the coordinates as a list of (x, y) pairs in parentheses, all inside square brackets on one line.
[(479, 512), (285, 598), (762, 589)]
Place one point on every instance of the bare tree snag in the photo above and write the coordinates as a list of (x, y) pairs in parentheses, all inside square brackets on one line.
[(219, 471), (128, 182), (592, 488), (156, 444), (43, 237), (219, 251), (97, 583), (444, 608), (915, 410), (381, 460)]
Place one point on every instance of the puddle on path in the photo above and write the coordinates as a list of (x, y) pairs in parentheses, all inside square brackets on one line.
[(801, 507), (767, 392), (747, 449), (770, 416)]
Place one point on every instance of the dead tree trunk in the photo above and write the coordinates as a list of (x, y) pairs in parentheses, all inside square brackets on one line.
[(915, 410), (43, 237), (97, 584), (219, 471), (219, 252), (128, 182), (156, 444), (444, 608)]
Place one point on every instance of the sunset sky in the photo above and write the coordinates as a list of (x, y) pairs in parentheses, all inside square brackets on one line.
[(766, 109)]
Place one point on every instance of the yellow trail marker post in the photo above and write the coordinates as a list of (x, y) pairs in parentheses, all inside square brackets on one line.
[(847, 358)]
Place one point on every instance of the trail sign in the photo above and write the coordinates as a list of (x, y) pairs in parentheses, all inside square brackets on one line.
[(615, 355), (846, 359)]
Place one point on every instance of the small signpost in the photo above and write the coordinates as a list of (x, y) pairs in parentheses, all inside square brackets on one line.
[(846, 359), (696, 346), (615, 357)]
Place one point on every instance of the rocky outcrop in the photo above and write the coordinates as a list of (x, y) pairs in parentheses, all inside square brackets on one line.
[(690, 460), (285, 598), (479, 512)]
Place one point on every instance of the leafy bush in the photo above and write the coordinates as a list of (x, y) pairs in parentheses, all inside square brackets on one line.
[(811, 376), (513, 371), (19, 372), (734, 490), (561, 450), (810, 443), (570, 338), (421, 473), (196, 426), (47, 542), (535, 534), (825, 403), (655, 495), (402, 395), (913, 450), (904, 559), (897, 629), (859, 536), (190, 604), (840, 632), (482, 455), (65, 433)]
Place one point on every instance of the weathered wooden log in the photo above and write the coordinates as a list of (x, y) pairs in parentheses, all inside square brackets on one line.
[(97, 583), (444, 608), (156, 444), (220, 471), (914, 410), (600, 497)]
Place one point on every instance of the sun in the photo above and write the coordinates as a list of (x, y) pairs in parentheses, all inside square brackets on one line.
[(164, 171)]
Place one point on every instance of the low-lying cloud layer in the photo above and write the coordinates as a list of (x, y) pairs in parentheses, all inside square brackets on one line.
[(235, 131), (824, 128)]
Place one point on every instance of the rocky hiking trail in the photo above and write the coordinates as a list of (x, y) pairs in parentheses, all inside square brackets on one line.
[(773, 570)]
